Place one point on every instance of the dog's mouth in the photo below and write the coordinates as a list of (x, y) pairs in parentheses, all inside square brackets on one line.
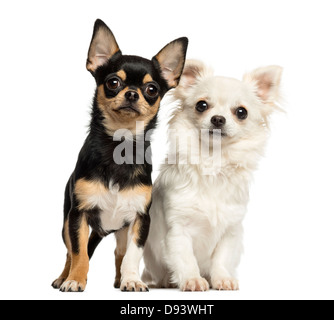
[(129, 108), (217, 133)]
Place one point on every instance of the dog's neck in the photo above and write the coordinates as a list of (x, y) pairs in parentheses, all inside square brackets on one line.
[(229, 158)]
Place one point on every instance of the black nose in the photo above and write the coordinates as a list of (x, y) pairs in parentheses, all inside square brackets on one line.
[(218, 121), (132, 96)]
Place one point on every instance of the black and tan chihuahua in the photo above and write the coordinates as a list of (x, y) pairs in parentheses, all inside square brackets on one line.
[(102, 194)]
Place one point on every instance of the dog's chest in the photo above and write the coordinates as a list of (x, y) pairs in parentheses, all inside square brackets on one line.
[(116, 207), (209, 208), (120, 208)]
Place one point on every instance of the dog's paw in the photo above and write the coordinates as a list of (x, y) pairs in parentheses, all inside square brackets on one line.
[(57, 283), (73, 286), (117, 283), (198, 284), (229, 284), (133, 286)]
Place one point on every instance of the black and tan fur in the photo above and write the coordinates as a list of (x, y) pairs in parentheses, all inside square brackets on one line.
[(129, 89)]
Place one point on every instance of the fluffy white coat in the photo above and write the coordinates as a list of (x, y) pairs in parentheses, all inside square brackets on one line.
[(200, 201)]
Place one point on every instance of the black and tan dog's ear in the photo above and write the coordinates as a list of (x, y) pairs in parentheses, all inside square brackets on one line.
[(171, 60), (102, 47)]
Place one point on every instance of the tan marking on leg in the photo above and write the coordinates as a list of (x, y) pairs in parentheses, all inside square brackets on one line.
[(61, 279), (122, 242), (77, 278), (136, 229), (146, 193)]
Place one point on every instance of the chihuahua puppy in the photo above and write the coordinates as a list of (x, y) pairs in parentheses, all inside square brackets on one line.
[(200, 200), (103, 194)]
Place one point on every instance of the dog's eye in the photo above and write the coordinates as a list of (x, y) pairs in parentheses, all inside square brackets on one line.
[(202, 106), (113, 84), (241, 113), (152, 91)]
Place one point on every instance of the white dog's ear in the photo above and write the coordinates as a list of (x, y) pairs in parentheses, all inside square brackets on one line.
[(193, 71), (267, 81)]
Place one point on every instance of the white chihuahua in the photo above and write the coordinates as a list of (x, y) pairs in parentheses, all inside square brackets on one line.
[(200, 201)]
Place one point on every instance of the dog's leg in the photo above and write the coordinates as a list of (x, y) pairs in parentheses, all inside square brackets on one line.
[(58, 282), (122, 242), (94, 241), (79, 234), (137, 236), (225, 260), (66, 237), (155, 274), (182, 261)]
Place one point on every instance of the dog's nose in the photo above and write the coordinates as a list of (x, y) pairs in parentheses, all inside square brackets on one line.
[(132, 96), (218, 121)]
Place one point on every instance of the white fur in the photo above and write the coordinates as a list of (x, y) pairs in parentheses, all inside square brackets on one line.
[(198, 209), (117, 207), (130, 267)]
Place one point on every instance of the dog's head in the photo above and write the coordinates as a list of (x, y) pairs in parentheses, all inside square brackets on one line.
[(230, 109), (130, 88)]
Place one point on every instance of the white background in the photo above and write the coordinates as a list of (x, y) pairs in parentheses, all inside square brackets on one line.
[(45, 97)]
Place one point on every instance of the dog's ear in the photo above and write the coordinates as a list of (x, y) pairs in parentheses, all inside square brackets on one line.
[(102, 47), (171, 61), (193, 71), (267, 81)]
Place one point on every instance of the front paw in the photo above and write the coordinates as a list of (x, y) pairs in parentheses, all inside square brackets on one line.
[(57, 283), (117, 283), (133, 286), (73, 286), (197, 284), (228, 284)]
